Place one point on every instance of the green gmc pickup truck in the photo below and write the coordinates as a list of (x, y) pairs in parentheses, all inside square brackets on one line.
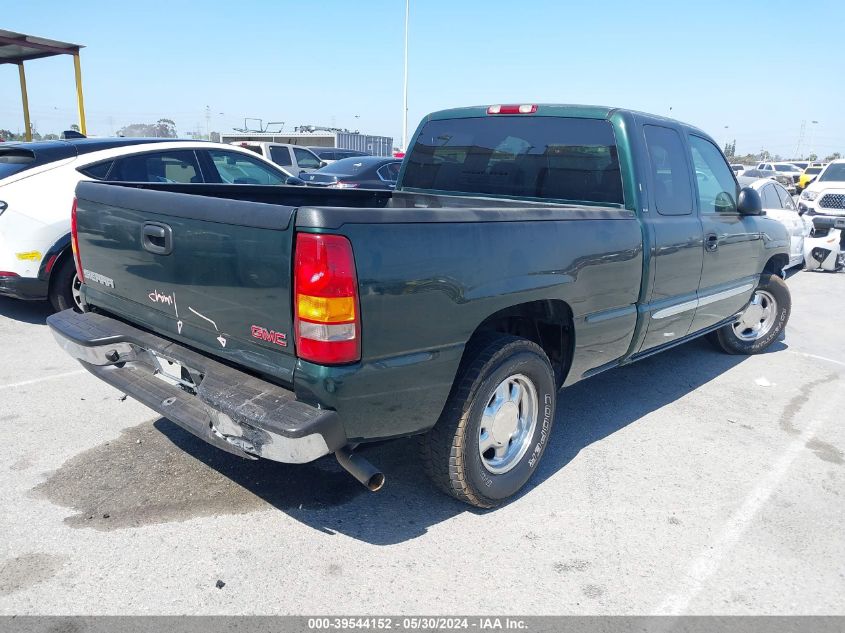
[(525, 248)]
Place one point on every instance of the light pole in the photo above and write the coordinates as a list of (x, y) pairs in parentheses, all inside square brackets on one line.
[(405, 90), (812, 129)]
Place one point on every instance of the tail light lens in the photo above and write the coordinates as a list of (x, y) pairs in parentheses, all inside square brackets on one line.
[(74, 243), (327, 322)]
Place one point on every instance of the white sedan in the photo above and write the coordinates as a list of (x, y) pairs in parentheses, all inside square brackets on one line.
[(779, 205), (38, 180)]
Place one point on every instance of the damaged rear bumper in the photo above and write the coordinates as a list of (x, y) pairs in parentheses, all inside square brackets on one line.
[(228, 408)]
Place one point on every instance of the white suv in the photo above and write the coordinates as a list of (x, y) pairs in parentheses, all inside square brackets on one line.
[(826, 194), (786, 169)]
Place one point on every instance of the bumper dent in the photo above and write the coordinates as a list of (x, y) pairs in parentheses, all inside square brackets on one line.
[(228, 408)]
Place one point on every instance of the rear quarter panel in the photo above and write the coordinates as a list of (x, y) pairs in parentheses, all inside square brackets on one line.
[(426, 285)]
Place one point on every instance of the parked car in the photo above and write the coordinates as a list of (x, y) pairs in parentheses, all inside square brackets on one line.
[(809, 175), (364, 172), (779, 205), (771, 174), (36, 191), (785, 169), (739, 169), (826, 194), (800, 164), (510, 261), (330, 154), (292, 158)]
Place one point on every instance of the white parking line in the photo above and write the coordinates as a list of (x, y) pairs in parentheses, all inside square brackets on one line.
[(707, 563), (829, 360), (42, 379)]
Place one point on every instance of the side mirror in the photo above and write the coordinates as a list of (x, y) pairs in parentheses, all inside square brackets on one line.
[(294, 181), (323, 164), (749, 202)]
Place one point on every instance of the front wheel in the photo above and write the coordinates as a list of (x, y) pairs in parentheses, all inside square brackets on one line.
[(496, 424), (761, 323)]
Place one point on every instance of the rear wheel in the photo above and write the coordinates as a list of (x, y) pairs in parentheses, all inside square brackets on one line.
[(761, 323), (496, 424), (65, 287)]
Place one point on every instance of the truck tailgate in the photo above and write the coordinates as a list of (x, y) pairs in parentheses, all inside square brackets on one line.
[(211, 273)]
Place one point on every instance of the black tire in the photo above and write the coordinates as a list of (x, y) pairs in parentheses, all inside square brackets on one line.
[(772, 287), (450, 450), (61, 285)]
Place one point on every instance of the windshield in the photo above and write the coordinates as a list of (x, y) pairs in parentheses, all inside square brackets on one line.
[(530, 157), (786, 168), (834, 172), (812, 170)]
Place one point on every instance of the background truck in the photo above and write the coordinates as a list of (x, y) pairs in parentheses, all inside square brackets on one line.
[(525, 248)]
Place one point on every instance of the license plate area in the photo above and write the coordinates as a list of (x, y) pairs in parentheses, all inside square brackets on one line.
[(175, 373)]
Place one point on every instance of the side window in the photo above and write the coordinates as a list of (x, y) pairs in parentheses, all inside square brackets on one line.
[(98, 171), (306, 159), (717, 188), (669, 171), (176, 166), (280, 156), (240, 169), (785, 199), (770, 197)]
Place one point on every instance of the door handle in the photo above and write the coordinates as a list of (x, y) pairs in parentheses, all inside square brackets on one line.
[(157, 238), (711, 242)]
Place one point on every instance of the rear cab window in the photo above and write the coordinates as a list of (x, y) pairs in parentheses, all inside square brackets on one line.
[(280, 155), (546, 158)]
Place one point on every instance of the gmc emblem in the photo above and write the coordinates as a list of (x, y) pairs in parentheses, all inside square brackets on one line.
[(271, 336)]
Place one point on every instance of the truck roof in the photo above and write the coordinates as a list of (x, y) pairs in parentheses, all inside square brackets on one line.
[(579, 111)]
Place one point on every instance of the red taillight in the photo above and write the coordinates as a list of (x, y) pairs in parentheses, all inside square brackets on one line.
[(327, 324), (8, 273), (74, 243), (512, 109)]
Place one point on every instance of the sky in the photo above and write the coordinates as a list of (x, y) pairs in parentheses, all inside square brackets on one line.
[(753, 71)]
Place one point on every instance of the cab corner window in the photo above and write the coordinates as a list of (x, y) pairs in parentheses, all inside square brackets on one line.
[(669, 172), (715, 182)]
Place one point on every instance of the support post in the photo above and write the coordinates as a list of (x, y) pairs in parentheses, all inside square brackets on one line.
[(80, 101), (25, 102)]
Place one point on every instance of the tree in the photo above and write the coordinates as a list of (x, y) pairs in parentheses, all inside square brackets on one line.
[(834, 156), (812, 157), (215, 137), (163, 128), (75, 127)]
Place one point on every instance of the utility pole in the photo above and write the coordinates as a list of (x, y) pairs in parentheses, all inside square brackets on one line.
[(207, 123), (405, 91), (800, 139)]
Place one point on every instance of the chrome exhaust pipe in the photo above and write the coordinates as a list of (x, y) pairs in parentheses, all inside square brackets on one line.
[(360, 468)]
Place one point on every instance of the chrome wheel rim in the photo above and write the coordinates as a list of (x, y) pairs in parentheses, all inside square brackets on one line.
[(758, 318), (76, 293), (508, 424)]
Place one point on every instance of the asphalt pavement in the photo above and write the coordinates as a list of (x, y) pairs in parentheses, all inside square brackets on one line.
[(691, 482)]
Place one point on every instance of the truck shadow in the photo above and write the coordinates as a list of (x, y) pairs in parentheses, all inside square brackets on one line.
[(323, 496), (35, 312)]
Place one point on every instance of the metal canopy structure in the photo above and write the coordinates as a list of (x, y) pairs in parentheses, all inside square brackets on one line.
[(16, 48)]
